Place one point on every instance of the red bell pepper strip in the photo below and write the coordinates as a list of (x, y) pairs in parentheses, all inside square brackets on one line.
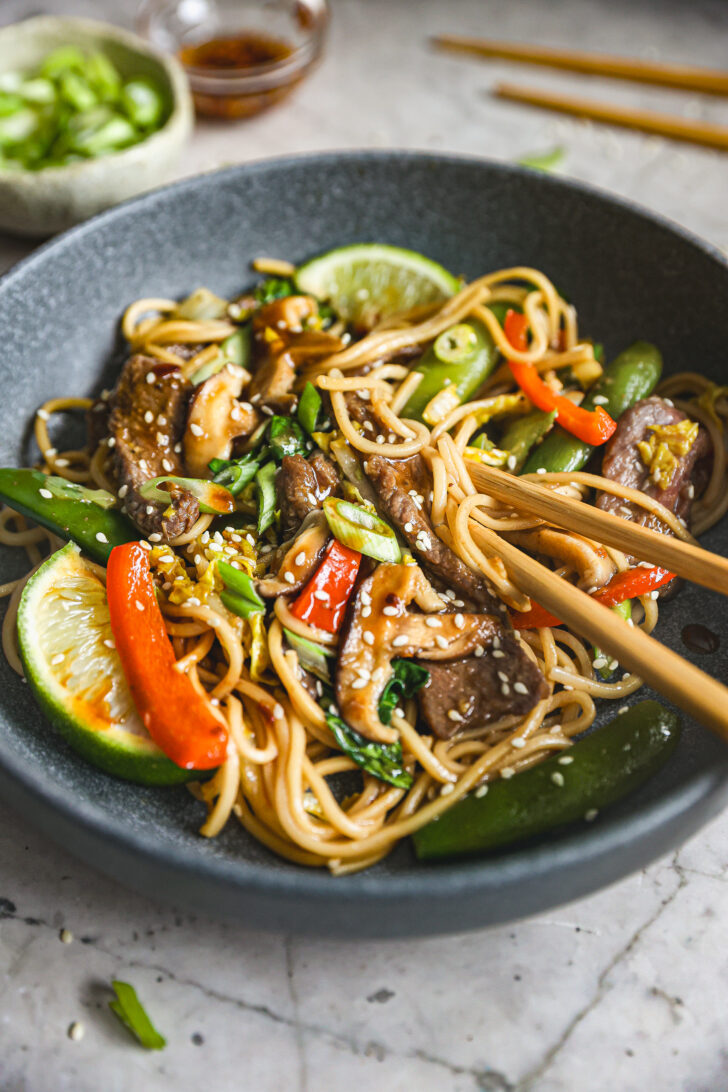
[(323, 600), (590, 426), (175, 715), (627, 585)]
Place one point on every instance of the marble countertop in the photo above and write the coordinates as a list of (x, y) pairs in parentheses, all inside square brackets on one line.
[(619, 991)]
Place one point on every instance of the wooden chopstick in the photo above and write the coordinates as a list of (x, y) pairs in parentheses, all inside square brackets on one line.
[(705, 133), (687, 77), (686, 560), (686, 685)]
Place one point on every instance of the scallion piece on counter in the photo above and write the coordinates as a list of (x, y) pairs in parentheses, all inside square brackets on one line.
[(129, 1009)]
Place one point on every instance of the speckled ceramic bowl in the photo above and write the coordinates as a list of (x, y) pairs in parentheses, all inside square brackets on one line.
[(40, 203), (630, 274)]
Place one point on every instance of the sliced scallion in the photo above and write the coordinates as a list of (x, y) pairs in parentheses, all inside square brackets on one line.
[(309, 408), (361, 530), (265, 482), (312, 657), (214, 499), (129, 1009)]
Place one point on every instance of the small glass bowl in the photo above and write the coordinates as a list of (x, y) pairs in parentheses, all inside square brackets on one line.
[(232, 91)]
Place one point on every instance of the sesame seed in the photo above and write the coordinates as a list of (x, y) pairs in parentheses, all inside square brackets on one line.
[(507, 772), (368, 637), (139, 605), (518, 742), (46, 494), (502, 676), (366, 611), (145, 546), (557, 778), (505, 689), (359, 684), (511, 462), (453, 714), (433, 623), (364, 673), (400, 640), (109, 643), (520, 688), (167, 465), (440, 641), (111, 442), (148, 417), (391, 612), (541, 470), (479, 651), (149, 509), (150, 377), (365, 596), (278, 711), (322, 595), (459, 621), (193, 601), (565, 760), (600, 400), (156, 537), (162, 439), (447, 789), (408, 527), (481, 791), (379, 439), (76, 1031), (62, 462), (101, 537), (65, 936), (123, 491), (600, 661), (196, 430), (177, 448), (458, 602), (51, 452), (591, 815), (498, 653)]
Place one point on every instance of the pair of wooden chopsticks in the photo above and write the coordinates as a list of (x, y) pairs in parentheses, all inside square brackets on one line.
[(685, 77), (680, 681)]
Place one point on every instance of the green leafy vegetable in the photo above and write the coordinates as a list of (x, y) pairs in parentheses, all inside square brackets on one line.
[(234, 474), (265, 482), (285, 437), (381, 760), (408, 678), (130, 1011), (274, 288), (544, 161), (309, 408)]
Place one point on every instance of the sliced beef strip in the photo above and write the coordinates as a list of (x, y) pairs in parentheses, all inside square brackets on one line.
[(623, 463), (402, 487), (302, 485), (145, 449)]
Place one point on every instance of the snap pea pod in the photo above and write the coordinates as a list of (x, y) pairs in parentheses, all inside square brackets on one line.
[(470, 365), (69, 512), (610, 762), (523, 434), (631, 376)]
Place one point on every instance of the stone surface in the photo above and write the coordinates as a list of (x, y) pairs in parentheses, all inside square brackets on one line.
[(620, 991)]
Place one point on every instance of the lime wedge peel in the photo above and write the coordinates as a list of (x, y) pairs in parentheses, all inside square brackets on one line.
[(74, 671), (368, 282)]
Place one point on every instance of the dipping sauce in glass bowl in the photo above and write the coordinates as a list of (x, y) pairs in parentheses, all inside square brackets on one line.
[(241, 56)]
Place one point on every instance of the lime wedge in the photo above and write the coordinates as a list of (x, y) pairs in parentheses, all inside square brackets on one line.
[(368, 282), (73, 669)]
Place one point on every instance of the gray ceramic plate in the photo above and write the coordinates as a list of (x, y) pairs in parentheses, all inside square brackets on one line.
[(631, 276)]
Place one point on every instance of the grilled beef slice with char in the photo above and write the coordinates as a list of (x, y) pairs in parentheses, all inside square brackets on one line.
[(479, 689), (623, 463), (145, 446), (302, 485)]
